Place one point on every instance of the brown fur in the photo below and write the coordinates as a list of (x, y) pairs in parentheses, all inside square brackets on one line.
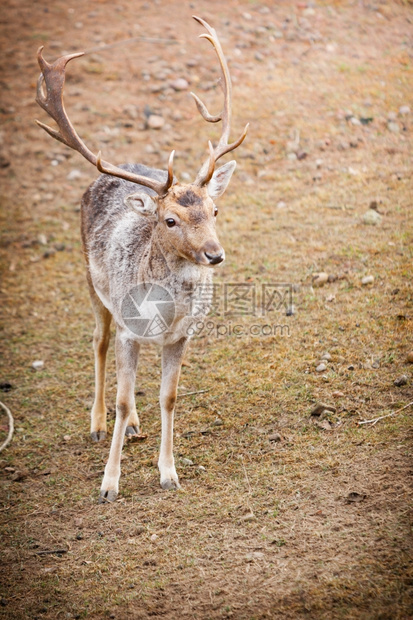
[(127, 241)]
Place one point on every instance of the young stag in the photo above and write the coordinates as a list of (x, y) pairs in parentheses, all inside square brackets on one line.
[(148, 240)]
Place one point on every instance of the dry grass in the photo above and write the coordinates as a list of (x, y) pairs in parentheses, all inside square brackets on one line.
[(266, 529)]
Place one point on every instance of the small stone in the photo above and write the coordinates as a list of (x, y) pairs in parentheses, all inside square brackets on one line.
[(372, 218), (154, 537), (258, 56), (326, 357), (404, 110), (320, 408), (138, 530), (247, 16), (59, 247), (281, 204), (319, 279), (275, 437), (4, 162), (67, 437), (409, 357), (49, 253), (42, 239), (355, 121), (321, 367), (292, 156), (375, 364), (217, 422), (187, 462), (400, 381), (351, 367), (355, 497), (201, 467), (367, 280), (337, 394), (74, 175), (324, 424), (393, 127), (343, 145), (155, 122), (318, 163), (180, 84), (38, 364)]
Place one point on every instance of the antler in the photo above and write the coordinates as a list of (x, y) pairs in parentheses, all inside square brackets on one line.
[(53, 76), (207, 170)]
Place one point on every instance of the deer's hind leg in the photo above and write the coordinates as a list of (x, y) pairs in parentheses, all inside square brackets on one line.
[(127, 352), (101, 337)]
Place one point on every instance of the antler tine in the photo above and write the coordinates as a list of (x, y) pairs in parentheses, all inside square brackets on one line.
[(53, 77), (205, 174)]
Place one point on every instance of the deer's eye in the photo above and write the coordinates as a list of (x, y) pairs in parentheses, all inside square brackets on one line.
[(215, 211), (170, 222)]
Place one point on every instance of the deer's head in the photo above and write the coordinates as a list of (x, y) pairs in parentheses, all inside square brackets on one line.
[(185, 214), (186, 217)]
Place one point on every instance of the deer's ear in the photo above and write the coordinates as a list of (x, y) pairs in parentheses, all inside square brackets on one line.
[(142, 203), (220, 179)]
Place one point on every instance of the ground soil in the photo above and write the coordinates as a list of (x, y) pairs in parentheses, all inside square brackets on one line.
[(282, 514)]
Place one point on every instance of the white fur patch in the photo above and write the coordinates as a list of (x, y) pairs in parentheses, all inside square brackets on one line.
[(221, 177)]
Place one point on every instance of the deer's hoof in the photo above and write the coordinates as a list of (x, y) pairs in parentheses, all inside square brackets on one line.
[(107, 497), (170, 484), (98, 436), (131, 431)]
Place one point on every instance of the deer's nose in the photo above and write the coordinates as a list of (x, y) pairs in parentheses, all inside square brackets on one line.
[(215, 259)]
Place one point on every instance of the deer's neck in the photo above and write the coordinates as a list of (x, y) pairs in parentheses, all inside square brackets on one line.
[(161, 264)]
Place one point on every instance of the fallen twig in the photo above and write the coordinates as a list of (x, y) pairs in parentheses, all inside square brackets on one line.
[(51, 551), (197, 392), (374, 421), (11, 427)]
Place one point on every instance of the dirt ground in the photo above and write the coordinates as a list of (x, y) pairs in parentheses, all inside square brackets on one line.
[(283, 514)]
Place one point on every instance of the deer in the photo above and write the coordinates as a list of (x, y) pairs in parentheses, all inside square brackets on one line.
[(147, 241)]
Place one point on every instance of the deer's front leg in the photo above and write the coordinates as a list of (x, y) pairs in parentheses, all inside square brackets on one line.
[(127, 352), (172, 356)]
